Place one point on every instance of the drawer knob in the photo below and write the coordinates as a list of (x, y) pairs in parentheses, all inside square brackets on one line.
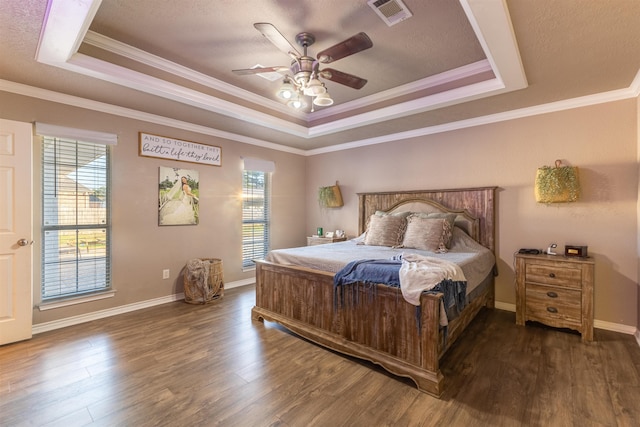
[(552, 275), (552, 309), (552, 295)]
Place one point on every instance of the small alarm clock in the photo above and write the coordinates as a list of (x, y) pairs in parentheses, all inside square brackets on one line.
[(579, 251)]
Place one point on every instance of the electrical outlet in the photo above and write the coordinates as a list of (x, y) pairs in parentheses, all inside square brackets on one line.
[(165, 274)]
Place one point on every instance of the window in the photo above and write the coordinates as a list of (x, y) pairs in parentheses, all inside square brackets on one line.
[(255, 215), (76, 230)]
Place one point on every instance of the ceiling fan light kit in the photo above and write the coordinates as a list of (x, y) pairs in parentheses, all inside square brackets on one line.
[(305, 70), (323, 100), (297, 102), (314, 88), (287, 90)]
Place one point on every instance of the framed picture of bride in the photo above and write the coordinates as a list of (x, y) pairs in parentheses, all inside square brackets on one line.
[(178, 196)]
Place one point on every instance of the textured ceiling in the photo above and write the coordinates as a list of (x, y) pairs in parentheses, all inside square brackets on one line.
[(214, 37), (451, 61)]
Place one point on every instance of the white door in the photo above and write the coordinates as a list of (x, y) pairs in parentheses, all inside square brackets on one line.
[(16, 253)]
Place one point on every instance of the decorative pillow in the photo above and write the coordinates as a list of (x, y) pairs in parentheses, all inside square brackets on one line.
[(449, 217), (385, 230), (403, 214), (429, 234)]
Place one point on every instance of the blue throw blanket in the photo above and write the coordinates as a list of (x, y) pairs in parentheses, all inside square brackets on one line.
[(369, 271), (387, 271)]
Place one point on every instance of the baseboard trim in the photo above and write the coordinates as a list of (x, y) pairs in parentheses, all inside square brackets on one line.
[(615, 327), (239, 283), (505, 306), (76, 320), (88, 317), (599, 324)]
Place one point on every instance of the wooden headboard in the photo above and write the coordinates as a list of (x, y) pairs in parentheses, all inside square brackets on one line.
[(477, 202)]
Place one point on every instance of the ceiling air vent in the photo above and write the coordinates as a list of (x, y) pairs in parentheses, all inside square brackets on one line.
[(391, 11), (272, 76)]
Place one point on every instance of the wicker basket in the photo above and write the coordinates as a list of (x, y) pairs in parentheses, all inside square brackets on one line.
[(194, 294)]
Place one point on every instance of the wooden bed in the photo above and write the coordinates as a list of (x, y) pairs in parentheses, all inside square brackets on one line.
[(385, 330)]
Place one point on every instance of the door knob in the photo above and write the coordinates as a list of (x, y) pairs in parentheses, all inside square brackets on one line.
[(24, 242)]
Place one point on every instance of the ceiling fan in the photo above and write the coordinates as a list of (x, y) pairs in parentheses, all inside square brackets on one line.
[(305, 70)]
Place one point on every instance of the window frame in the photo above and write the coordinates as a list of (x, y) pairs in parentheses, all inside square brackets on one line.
[(73, 259), (258, 244)]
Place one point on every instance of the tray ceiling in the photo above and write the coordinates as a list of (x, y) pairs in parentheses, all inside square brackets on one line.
[(451, 62)]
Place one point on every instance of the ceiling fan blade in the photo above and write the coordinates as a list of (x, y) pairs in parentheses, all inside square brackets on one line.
[(352, 45), (343, 78), (258, 70), (274, 36)]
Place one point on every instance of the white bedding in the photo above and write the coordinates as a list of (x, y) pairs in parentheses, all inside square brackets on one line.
[(475, 260)]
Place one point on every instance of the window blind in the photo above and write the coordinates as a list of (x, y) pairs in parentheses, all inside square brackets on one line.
[(75, 219), (260, 165), (255, 216), (63, 132)]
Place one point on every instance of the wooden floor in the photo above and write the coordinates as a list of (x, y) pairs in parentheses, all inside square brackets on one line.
[(185, 365)]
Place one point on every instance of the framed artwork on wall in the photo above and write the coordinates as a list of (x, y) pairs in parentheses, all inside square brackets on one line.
[(178, 196)]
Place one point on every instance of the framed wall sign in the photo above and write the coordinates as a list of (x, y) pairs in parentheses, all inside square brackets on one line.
[(163, 147)]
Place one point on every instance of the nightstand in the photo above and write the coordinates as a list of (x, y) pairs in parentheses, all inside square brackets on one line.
[(555, 290), (316, 240)]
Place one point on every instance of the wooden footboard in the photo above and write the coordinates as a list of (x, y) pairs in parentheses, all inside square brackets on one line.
[(373, 323)]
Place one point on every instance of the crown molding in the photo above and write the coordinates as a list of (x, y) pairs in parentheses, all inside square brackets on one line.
[(584, 101), (432, 102), (492, 25), (489, 18), (135, 80), (631, 92), (110, 45), (65, 25), (125, 77), (634, 87), (444, 78), (121, 49), (75, 101)]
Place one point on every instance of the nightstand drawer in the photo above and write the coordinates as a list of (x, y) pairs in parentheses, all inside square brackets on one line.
[(548, 302), (556, 291), (554, 275)]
